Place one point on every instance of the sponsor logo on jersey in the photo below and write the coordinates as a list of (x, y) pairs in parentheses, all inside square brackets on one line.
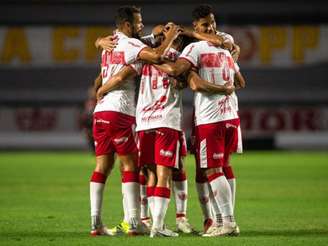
[(102, 121), (121, 140), (228, 125), (217, 156), (166, 153)]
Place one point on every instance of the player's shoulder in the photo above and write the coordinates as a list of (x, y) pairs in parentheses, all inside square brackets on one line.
[(194, 46), (135, 42)]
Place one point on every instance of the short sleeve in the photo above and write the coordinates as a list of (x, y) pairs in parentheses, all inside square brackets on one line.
[(132, 50), (191, 54)]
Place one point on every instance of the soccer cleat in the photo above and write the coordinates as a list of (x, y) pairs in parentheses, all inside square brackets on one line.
[(137, 228), (162, 233), (101, 231), (208, 226), (146, 223), (213, 231), (121, 228), (229, 229), (183, 225)]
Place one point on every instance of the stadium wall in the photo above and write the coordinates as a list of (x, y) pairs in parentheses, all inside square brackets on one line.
[(48, 62)]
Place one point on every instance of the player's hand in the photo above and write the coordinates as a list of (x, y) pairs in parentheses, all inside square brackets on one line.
[(107, 43), (227, 44), (172, 30), (229, 88), (235, 52)]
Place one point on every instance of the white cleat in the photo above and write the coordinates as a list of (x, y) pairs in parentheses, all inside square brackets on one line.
[(229, 229), (163, 233), (183, 225), (213, 231)]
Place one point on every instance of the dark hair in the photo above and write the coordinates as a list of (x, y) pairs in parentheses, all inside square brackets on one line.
[(201, 11), (125, 13)]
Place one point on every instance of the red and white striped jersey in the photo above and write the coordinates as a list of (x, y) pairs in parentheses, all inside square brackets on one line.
[(159, 103), (216, 66), (125, 53)]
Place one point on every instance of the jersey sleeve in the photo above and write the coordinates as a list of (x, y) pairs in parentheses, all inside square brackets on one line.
[(132, 50), (191, 54)]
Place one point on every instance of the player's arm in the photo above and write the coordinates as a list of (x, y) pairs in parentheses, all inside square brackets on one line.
[(115, 81), (196, 83), (240, 82), (175, 69), (97, 82), (216, 40), (157, 55)]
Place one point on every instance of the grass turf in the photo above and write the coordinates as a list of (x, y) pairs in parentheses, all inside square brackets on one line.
[(282, 199)]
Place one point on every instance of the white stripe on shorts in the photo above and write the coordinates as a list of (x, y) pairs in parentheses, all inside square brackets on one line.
[(203, 154), (177, 155), (240, 141)]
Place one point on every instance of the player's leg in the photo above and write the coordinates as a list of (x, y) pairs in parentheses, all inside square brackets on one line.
[(167, 147), (131, 189), (104, 164), (204, 197), (180, 191), (123, 226), (221, 194), (211, 153), (151, 185), (229, 174), (146, 161), (144, 205), (233, 144), (161, 195)]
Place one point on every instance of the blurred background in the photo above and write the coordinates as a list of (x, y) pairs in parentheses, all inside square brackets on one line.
[(48, 63)]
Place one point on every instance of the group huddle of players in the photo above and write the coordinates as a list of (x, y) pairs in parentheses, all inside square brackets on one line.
[(145, 132)]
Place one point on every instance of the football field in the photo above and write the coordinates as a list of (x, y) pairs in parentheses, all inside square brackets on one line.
[(282, 199)]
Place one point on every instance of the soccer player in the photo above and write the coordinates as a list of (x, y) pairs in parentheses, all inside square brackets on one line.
[(114, 118), (159, 123), (216, 116)]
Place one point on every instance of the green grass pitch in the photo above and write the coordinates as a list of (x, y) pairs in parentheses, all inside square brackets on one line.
[(282, 199)]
